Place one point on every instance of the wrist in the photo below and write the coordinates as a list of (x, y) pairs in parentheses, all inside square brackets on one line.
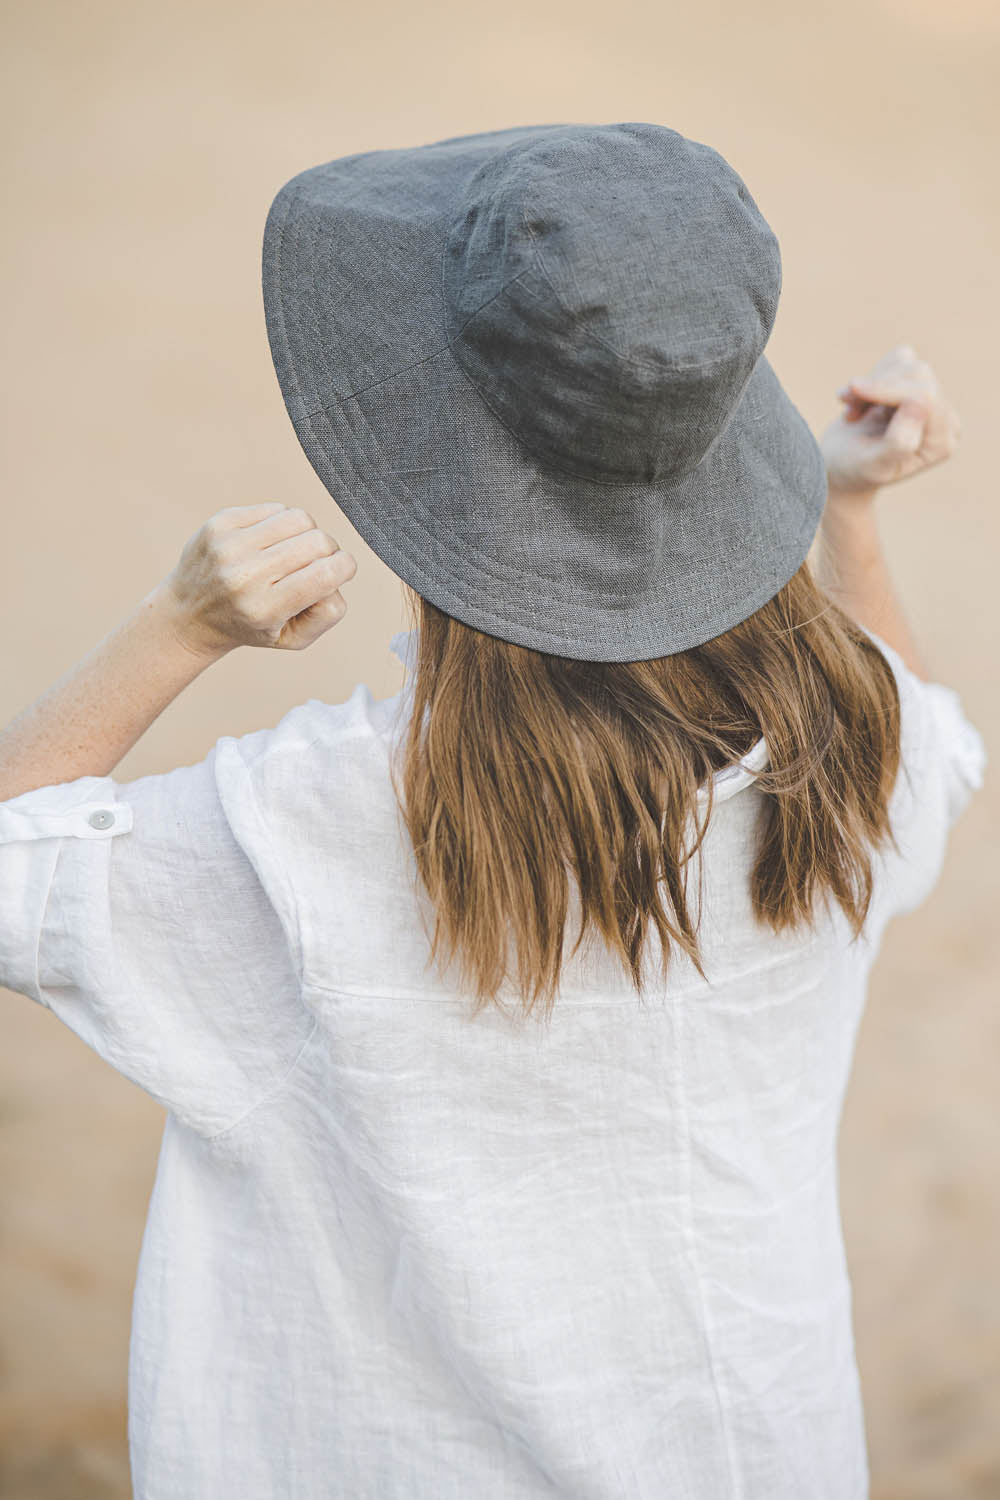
[(840, 497), (850, 531), (169, 616), (850, 518)]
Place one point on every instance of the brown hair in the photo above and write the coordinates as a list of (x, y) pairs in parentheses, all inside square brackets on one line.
[(521, 768)]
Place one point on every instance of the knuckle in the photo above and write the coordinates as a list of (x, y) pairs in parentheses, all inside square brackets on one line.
[(231, 574), (301, 517), (223, 523), (219, 547)]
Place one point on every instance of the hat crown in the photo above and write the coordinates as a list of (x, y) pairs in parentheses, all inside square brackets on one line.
[(608, 290)]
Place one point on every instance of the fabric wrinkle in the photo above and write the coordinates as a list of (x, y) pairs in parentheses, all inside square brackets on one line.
[(392, 1251)]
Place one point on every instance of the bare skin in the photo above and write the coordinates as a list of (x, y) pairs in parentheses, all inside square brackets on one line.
[(252, 575), (267, 575), (896, 422)]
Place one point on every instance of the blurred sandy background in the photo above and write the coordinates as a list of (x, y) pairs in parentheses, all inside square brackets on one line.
[(143, 144)]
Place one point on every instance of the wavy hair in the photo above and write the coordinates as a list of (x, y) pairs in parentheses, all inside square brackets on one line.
[(522, 770)]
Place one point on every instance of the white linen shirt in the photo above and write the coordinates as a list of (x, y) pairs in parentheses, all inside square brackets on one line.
[(393, 1253)]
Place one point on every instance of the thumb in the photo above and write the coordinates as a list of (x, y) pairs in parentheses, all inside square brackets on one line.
[(312, 622)]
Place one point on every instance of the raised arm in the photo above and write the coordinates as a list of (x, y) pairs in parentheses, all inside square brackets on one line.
[(896, 423), (87, 721), (253, 575), (854, 571)]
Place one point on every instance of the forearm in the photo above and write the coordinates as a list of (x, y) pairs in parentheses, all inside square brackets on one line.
[(854, 572), (87, 721)]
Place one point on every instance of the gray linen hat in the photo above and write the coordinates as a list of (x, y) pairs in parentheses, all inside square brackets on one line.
[(528, 366)]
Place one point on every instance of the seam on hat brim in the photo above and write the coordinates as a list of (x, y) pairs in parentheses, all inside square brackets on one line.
[(401, 545)]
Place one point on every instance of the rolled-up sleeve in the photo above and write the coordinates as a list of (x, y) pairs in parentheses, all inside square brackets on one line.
[(137, 915)]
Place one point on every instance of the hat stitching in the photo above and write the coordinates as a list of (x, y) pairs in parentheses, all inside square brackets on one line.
[(613, 484), (755, 599), (609, 484), (498, 571), (440, 544), (417, 362), (627, 359), (496, 568), (468, 553)]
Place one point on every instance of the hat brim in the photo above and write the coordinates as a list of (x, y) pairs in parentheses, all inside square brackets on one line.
[(452, 501)]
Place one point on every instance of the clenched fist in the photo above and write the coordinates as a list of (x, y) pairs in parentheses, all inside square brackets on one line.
[(896, 422), (258, 575)]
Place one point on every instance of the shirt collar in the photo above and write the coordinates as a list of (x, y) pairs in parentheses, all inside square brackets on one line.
[(400, 644)]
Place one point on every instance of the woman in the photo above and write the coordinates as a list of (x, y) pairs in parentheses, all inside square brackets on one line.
[(449, 1206)]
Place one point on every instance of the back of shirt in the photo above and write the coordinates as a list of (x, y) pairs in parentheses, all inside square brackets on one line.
[(403, 1252), (618, 1232)]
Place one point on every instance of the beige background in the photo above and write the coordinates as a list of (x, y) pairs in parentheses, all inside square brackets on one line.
[(143, 145)]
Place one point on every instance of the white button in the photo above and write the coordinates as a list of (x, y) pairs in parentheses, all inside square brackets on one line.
[(102, 819)]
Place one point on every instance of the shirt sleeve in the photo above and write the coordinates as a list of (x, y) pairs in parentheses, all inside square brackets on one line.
[(150, 918), (942, 763)]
